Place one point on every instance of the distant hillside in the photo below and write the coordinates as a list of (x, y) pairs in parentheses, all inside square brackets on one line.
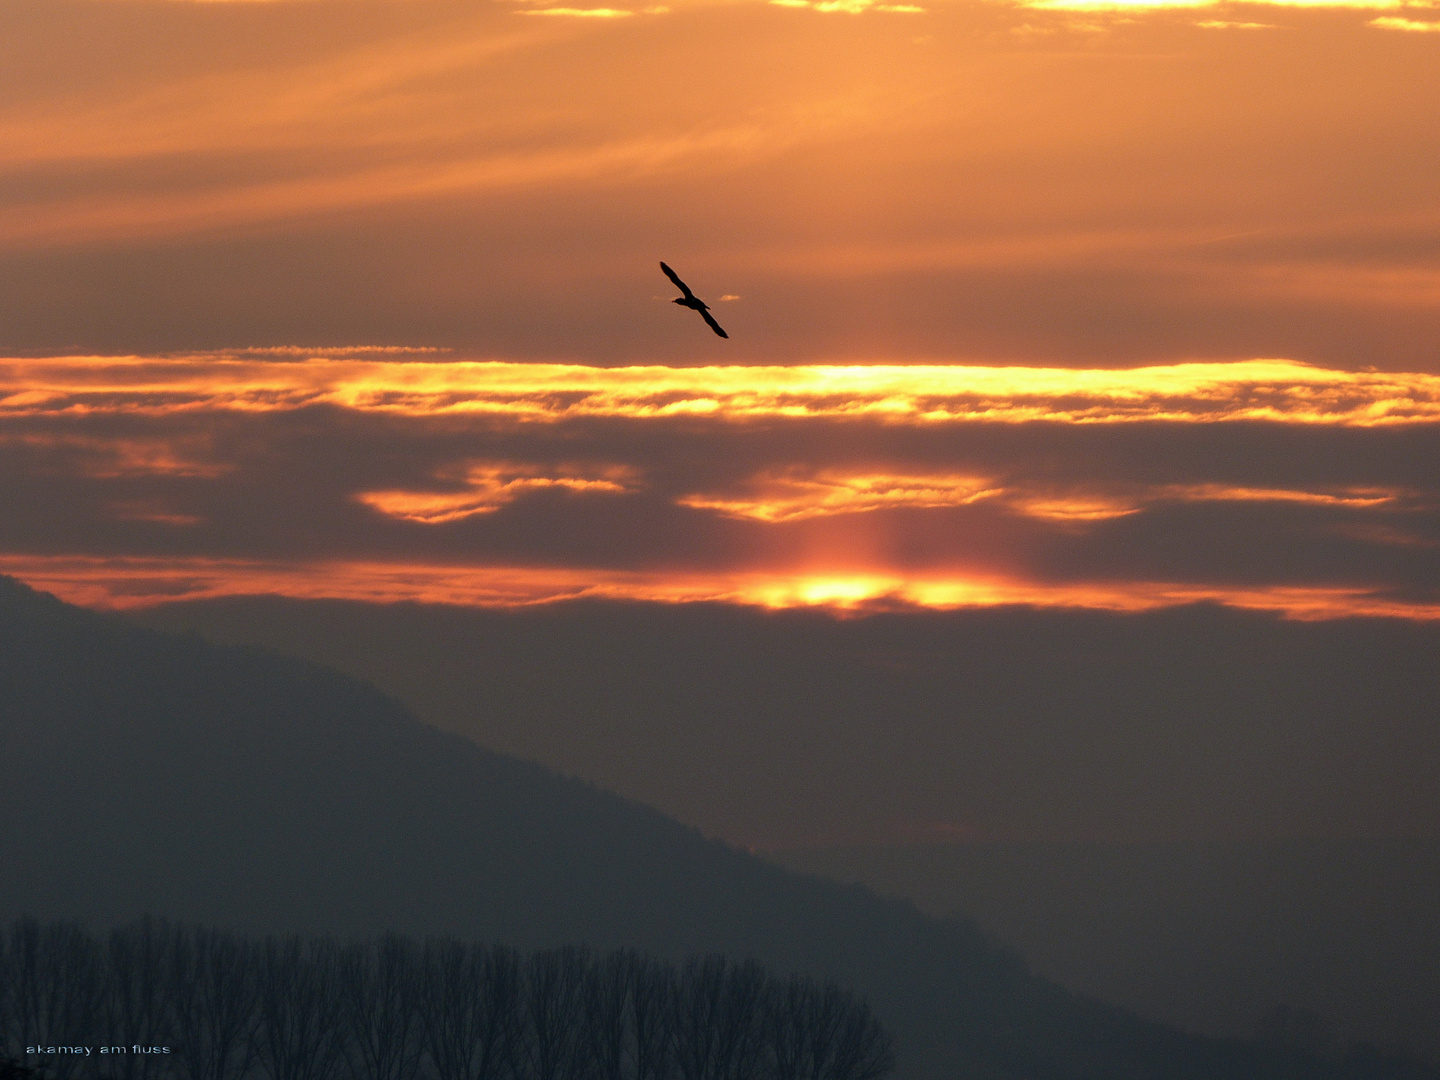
[(792, 728), (146, 771), (1210, 936)]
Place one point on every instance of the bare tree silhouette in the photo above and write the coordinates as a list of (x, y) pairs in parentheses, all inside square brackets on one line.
[(212, 996), (554, 1002), (57, 994), (138, 1000), (742, 1004), (11, 1069), (652, 988), (816, 1032), (379, 1004), (695, 1017), (298, 1034), (606, 1024), (470, 999), (292, 1008)]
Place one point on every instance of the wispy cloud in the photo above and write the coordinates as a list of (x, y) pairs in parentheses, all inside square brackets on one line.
[(108, 458), (484, 487), (1413, 26), (849, 7), (579, 13), (128, 214), (1134, 7), (796, 496)]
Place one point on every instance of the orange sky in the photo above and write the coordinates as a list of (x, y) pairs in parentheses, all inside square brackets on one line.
[(1063, 302), (982, 181)]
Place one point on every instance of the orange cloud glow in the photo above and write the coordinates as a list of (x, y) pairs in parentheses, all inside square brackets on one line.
[(151, 511), (108, 458), (1074, 508), (1089, 506), (794, 497), (1354, 497), (1280, 391), (489, 486), (1392, 22), (849, 7), (135, 583), (1132, 6), (796, 494), (581, 13)]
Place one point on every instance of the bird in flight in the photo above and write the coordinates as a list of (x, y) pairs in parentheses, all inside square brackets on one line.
[(693, 302)]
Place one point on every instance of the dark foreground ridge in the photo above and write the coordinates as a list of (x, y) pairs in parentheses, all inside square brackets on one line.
[(152, 772)]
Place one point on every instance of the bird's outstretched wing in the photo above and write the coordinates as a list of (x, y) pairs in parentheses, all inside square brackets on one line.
[(678, 283), (710, 319)]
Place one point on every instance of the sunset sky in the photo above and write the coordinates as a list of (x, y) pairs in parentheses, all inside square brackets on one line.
[(1070, 303)]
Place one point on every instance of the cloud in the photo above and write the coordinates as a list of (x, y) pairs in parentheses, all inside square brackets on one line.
[(796, 497), (849, 7), (140, 582), (233, 1), (580, 13), (1146, 6), (1281, 391), (1415, 26), (796, 494), (1258, 485), (414, 115), (359, 185), (103, 458), (487, 486), (1354, 498)]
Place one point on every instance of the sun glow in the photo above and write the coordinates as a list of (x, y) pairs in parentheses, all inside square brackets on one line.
[(123, 583)]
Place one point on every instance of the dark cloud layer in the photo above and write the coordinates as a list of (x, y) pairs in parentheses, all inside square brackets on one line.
[(1242, 505)]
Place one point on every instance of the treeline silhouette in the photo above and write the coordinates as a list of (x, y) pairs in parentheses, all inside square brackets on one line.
[(230, 1007)]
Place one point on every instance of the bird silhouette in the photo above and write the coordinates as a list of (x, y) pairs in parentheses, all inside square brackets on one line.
[(693, 302)]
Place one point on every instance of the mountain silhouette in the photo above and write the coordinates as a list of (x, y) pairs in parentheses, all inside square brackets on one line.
[(145, 771)]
